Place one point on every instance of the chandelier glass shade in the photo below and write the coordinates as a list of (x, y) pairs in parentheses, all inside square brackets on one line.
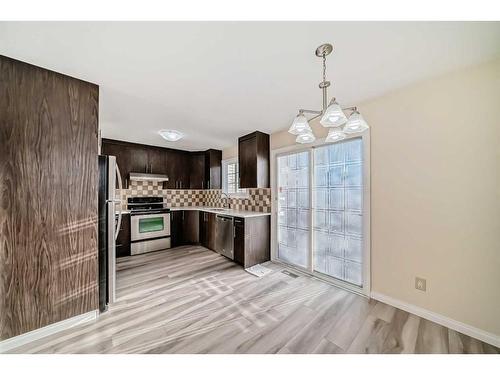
[(335, 135), (305, 138), (332, 116), (355, 124), (300, 125)]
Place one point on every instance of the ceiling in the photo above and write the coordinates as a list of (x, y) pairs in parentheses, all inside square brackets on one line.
[(216, 81)]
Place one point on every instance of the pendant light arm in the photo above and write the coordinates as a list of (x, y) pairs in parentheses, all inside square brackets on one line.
[(311, 111)]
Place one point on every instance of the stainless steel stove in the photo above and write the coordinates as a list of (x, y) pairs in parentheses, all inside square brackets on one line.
[(149, 224)]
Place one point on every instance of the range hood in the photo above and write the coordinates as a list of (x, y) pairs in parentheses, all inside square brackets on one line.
[(147, 177)]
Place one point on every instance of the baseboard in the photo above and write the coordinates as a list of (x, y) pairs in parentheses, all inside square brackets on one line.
[(466, 329), (37, 334)]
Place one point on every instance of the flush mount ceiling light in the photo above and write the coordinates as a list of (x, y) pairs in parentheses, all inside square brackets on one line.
[(171, 135), (332, 115)]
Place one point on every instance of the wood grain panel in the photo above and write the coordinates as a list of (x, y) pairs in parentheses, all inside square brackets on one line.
[(48, 197)]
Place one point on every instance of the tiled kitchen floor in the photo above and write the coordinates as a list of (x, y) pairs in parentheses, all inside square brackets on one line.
[(192, 300)]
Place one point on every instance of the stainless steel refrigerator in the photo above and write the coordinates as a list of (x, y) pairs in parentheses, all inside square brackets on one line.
[(110, 217)]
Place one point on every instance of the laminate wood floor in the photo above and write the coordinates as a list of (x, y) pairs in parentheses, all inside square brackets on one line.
[(192, 300)]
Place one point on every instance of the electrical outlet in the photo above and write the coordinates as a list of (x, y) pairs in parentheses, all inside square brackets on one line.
[(420, 284)]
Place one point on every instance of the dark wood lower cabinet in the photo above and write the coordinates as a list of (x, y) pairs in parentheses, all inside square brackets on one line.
[(251, 235), (184, 228), (239, 241), (123, 239), (191, 227), (207, 229), (252, 240), (176, 228)]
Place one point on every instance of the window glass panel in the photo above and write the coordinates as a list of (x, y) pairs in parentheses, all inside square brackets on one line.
[(293, 222), (336, 174), (230, 178), (337, 219), (353, 174)]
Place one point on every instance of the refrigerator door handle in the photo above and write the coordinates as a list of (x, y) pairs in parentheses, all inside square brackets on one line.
[(119, 223)]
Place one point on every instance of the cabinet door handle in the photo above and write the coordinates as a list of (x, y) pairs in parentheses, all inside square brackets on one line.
[(202, 185)]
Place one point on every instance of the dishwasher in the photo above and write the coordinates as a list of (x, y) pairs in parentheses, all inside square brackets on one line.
[(224, 236)]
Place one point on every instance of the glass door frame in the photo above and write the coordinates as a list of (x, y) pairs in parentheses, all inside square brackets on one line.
[(365, 136)]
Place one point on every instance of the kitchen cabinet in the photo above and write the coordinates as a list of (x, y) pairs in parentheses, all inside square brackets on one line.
[(239, 240), (123, 239), (185, 170), (253, 159), (132, 157), (157, 161), (197, 171), (124, 157), (207, 229), (176, 228), (184, 227), (252, 240), (190, 227), (178, 169), (213, 169)]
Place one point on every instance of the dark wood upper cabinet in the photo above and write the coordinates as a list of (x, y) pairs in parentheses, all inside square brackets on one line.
[(253, 159), (157, 161), (213, 169), (185, 170), (197, 171)]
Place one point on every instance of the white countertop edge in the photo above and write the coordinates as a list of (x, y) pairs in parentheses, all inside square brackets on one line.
[(229, 212)]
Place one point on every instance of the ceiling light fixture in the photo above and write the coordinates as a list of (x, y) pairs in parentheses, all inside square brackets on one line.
[(332, 115), (171, 135), (300, 125)]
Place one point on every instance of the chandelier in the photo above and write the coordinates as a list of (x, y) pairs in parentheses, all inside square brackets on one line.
[(333, 116)]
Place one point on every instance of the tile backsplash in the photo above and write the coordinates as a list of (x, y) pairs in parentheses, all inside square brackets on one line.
[(257, 199)]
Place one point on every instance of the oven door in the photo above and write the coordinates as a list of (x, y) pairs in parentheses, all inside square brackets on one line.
[(143, 227)]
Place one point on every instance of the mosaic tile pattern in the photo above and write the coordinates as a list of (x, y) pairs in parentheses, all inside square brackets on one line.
[(258, 200)]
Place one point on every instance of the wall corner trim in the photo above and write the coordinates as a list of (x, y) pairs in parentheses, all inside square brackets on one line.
[(466, 329), (37, 334)]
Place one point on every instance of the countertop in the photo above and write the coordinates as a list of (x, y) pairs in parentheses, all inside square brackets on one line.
[(228, 212)]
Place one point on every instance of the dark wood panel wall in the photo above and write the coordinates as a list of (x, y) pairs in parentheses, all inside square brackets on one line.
[(48, 197)]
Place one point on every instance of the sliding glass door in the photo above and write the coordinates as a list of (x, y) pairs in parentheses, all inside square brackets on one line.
[(320, 224), (338, 211), (294, 195)]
